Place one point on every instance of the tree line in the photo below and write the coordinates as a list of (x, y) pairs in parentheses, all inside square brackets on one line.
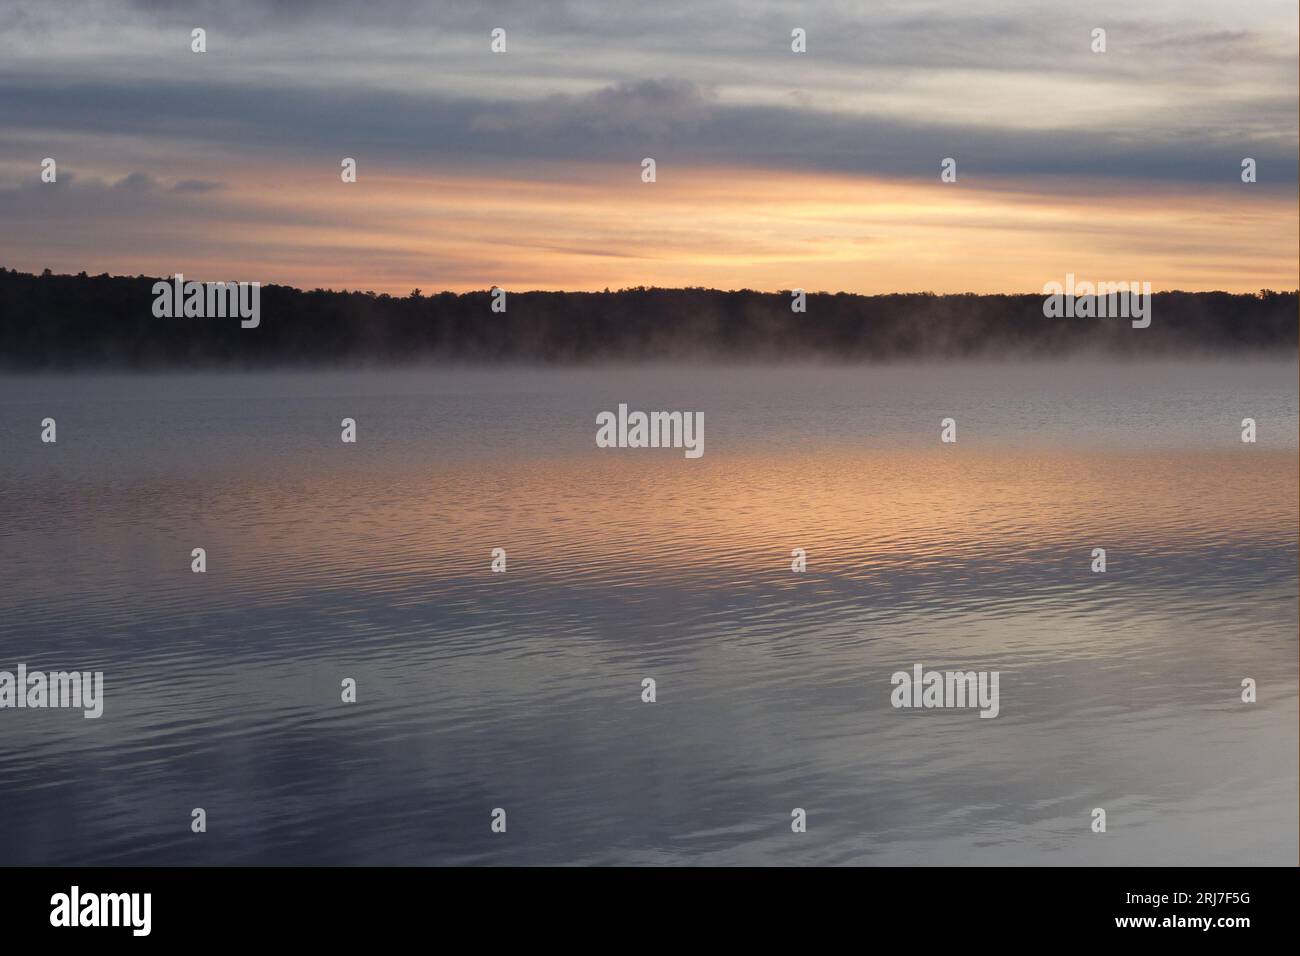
[(67, 321)]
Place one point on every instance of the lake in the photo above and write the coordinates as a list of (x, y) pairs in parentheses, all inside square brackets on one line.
[(522, 690)]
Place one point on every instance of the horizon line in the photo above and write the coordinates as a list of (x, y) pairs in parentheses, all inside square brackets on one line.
[(49, 273)]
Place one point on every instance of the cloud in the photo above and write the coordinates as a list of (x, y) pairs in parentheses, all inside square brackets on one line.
[(250, 133), (1184, 91), (83, 200), (654, 108), (623, 122), (137, 182), (197, 186)]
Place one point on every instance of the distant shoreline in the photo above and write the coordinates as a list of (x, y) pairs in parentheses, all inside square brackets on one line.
[(50, 322)]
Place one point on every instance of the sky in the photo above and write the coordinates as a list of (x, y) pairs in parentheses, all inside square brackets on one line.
[(774, 169)]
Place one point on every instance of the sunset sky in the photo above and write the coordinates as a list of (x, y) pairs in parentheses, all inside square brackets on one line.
[(775, 169)]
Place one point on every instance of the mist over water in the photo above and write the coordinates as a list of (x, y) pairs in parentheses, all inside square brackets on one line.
[(522, 690)]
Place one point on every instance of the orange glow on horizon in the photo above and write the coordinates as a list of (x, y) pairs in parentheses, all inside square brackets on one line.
[(594, 227)]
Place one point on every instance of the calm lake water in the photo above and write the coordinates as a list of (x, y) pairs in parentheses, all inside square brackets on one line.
[(522, 690)]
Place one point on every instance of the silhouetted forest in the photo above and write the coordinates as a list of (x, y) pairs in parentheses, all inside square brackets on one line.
[(60, 321)]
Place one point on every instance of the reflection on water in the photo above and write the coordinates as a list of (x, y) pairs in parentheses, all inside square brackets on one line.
[(522, 690)]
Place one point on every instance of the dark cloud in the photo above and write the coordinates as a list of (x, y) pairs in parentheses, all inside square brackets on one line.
[(137, 182), (197, 186), (624, 122), (719, 85), (653, 108)]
